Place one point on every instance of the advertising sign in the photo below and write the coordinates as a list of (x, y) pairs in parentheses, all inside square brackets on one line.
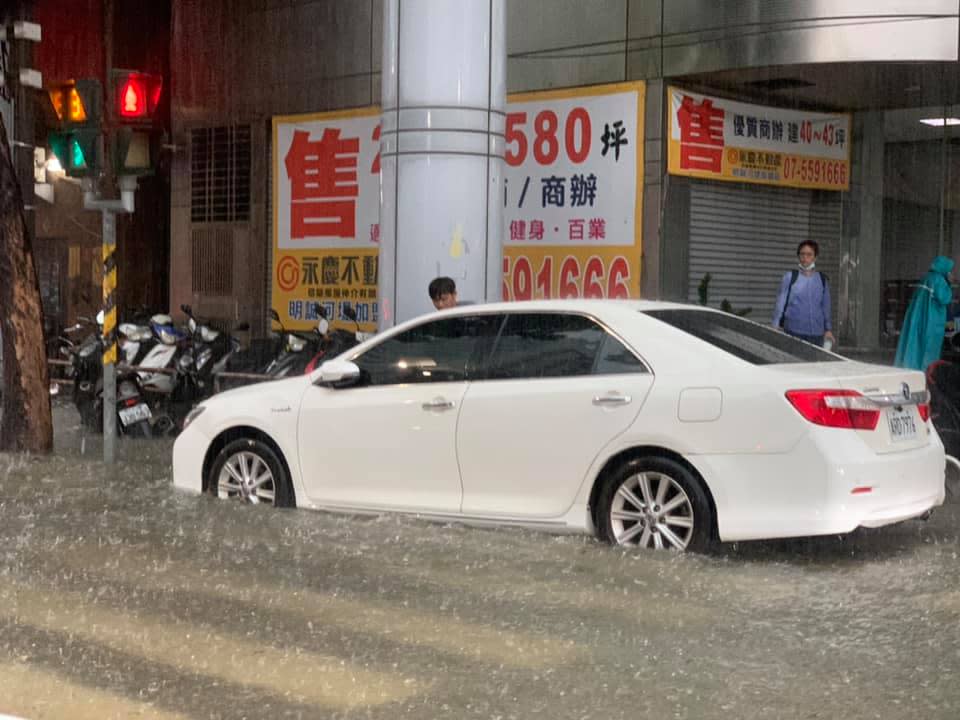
[(719, 139), (573, 193), (572, 203), (326, 200)]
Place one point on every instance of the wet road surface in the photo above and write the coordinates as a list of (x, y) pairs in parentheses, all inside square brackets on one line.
[(121, 598)]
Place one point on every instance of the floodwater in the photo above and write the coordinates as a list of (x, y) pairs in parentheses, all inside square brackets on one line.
[(121, 598)]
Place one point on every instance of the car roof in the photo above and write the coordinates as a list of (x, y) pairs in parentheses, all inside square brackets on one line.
[(572, 305)]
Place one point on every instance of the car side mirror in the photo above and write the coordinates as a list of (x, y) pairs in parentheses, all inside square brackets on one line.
[(187, 310), (321, 313), (274, 315), (350, 313), (338, 373)]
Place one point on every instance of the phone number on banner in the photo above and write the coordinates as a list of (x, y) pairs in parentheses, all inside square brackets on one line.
[(815, 171), (571, 277)]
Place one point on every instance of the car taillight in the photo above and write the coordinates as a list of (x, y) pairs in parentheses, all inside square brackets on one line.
[(924, 409), (130, 402), (836, 408)]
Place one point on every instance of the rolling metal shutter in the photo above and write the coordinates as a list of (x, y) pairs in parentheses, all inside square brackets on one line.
[(746, 237)]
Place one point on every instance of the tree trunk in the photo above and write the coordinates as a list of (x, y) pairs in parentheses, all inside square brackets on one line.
[(26, 423)]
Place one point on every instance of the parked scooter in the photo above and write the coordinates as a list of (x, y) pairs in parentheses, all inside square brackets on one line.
[(193, 356), (86, 370), (337, 342), (297, 348), (210, 352)]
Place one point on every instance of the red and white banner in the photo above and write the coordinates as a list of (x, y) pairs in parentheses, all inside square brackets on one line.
[(717, 139)]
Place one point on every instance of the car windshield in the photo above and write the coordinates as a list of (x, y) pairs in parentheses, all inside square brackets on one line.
[(749, 341)]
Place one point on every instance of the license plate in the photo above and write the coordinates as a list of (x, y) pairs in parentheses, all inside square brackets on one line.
[(902, 425), (134, 414)]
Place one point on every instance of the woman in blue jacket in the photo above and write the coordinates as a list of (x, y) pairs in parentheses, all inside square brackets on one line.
[(803, 303), (921, 338)]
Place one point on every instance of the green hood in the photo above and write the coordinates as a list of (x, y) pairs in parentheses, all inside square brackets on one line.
[(941, 264)]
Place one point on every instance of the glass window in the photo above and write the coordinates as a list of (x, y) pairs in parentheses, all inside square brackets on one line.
[(445, 350), (541, 345), (757, 344), (616, 359)]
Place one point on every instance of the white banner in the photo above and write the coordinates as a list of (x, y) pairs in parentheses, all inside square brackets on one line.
[(571, 175)]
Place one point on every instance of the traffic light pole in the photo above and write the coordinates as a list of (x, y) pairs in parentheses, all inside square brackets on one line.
[(109, 210)]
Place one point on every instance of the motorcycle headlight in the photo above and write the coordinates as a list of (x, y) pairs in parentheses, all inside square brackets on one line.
[(87, 350), (295, 344), (185, 361), (208, 334), (204, 357), (167, 337), (192, 415)]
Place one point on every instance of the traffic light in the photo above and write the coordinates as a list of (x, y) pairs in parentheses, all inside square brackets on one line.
[(77, 103), (135, 142), (134, 151), (78, 151), (76, 143)]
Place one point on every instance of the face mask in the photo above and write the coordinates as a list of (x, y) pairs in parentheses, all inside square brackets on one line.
[(807, 268)]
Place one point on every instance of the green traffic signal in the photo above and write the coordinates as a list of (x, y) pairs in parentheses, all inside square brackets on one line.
[(78, 152), (77, 160)]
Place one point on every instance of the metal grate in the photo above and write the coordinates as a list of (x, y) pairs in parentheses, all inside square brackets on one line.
[(212, 261), (220, 174), (746, 237)]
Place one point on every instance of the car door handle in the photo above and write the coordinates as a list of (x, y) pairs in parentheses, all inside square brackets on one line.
[(610, 400), (439, 404)]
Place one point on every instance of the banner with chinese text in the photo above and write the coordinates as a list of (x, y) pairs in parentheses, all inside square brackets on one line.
[(719, 139), (326, 209), (573, 193)]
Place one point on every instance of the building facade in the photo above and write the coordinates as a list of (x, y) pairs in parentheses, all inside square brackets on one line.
[(889, 67)]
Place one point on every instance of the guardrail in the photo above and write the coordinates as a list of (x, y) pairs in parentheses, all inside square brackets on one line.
[(122, 367)]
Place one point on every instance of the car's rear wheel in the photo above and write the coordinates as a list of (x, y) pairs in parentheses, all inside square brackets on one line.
[(654, 502), (250, 471)]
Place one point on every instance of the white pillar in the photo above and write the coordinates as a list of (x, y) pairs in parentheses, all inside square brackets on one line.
[(441, 187)]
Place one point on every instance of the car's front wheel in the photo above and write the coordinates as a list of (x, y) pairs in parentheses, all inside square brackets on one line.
[(654, 502), (250, 471)]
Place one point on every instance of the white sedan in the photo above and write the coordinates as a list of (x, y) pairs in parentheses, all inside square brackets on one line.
[(648, 423)]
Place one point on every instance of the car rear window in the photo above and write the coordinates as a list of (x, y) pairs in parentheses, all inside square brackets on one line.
[(749, 341)]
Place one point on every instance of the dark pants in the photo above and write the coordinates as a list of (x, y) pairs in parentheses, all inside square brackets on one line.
[(812, 339)]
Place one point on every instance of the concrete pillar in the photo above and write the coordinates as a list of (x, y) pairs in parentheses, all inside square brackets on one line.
[(441, 181), (862, 244), (653, 173)]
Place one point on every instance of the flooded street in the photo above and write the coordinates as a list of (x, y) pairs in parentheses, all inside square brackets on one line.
[(121, 598)]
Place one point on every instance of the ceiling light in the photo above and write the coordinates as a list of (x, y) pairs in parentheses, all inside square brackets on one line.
[(940, 122)]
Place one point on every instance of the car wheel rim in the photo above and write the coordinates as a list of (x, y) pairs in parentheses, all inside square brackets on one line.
[(652, 510), (246, 476)]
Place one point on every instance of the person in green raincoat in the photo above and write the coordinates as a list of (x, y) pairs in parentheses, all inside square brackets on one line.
[(921, 338)]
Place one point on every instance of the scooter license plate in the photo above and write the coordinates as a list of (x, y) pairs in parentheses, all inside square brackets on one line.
[(134, 414)]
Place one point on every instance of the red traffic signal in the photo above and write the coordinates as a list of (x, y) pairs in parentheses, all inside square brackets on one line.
[(136, 95)]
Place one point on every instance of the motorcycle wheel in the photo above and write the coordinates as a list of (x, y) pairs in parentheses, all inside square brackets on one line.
[(141, 429)]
